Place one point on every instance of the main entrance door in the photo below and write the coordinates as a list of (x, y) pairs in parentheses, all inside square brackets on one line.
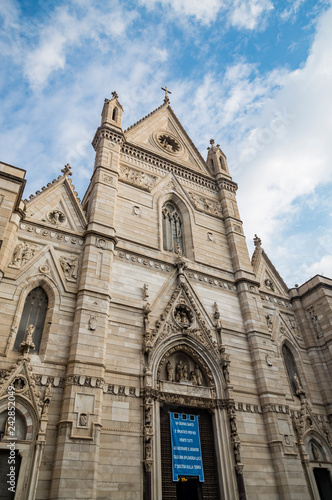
[(189, 488), (324, 484)]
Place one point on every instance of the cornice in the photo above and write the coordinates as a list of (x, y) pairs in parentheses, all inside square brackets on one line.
[(169, 166), (108, 133)]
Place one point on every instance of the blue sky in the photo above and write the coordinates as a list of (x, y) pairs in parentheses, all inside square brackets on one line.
[(255, 75)]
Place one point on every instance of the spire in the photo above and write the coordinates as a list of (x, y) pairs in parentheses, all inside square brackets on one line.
[(217, 160), (112, 111)]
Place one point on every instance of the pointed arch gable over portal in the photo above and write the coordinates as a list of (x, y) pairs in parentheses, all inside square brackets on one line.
[(184, 372)]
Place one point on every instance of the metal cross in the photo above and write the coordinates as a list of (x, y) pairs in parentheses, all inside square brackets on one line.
[(166, 93)]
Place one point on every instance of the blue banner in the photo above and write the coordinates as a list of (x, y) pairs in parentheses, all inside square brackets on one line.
[(186, 446)]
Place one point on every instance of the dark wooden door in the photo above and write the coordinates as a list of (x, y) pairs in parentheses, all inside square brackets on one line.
[(209, 490)]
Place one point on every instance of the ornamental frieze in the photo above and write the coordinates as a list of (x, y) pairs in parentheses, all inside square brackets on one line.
[(50, 233), (137, 178), (206, 205)]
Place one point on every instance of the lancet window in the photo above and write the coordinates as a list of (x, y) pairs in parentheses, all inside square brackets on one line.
[(172, 228), (34, 313)]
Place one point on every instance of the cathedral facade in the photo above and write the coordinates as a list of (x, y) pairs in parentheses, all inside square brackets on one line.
[(143, 354)]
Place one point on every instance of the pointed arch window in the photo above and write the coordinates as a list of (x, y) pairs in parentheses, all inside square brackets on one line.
[(291, 368), (34, 313), (172, 228)]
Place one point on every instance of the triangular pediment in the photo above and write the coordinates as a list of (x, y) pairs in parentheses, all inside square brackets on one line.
[(22, 380), (183, 315), (161, 133), (57, 206), (59, 267), (269, 278)]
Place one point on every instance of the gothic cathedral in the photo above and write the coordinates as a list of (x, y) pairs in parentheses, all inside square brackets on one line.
[(143, 355)]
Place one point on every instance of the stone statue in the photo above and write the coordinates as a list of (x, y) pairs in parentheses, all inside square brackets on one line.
[(198, 375), (193, 378), (170, 371), (315, 452), (185, 372), (179, 371)]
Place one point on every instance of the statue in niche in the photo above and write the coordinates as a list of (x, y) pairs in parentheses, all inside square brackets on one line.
[(237, 452), (185, 372), (28, 342), (315, 452), (269, 284), (179, 371), (69, 267), (170, 371), (19, 384), (193, 378), (269, 322), (198, 375), (182, 317)]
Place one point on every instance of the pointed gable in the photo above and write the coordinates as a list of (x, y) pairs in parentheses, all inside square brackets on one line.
[(269, 278), (57, 205), (162, 133)]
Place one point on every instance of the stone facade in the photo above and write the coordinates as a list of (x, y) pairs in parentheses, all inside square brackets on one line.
[(132, 331)]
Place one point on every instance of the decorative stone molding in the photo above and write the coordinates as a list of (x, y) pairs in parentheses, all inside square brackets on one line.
[(206, 205), (121, 390), (137, 178), (106, 133), (275, 300), (85, 381), (50, 233), (129, 152), (227, 185), (143, 261), (166, 267)]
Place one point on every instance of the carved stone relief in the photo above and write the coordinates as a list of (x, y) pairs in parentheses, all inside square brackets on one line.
[(206, 205), (22, 254), (69, 267), (56, 217), (137, 178), (183, 369)]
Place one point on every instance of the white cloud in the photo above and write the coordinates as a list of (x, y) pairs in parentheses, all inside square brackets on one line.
[(247, 14), (242, 14)]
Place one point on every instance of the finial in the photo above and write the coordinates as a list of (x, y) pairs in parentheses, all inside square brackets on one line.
[(166, 100), (66, 170), (257, 241), (115, 95)]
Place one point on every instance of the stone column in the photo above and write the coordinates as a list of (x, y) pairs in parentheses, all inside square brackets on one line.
[(258, 336), (76, 462)]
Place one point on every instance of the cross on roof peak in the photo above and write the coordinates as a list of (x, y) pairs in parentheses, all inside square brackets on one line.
[(166, 93)]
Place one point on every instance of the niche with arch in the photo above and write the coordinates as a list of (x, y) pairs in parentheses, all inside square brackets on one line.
[(34, 313)]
